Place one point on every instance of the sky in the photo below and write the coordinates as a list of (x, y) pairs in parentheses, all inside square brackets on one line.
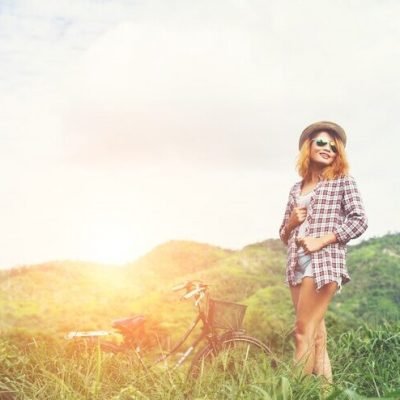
[(126, 124)]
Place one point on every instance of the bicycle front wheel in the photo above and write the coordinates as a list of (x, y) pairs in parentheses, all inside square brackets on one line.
[(236, 358)]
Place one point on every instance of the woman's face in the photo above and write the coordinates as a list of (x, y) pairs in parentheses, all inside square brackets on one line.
[(321, 149)]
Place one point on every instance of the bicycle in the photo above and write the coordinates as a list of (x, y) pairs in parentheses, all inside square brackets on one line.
[(229, 352)]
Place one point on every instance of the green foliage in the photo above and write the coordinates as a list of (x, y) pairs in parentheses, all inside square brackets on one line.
[(270, 315), (374, 266)]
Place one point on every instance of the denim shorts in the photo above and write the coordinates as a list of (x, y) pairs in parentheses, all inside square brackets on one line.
[(304, 269)]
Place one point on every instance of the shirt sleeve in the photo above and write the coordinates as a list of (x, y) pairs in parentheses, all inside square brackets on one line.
[(288, 210), (356, 221)]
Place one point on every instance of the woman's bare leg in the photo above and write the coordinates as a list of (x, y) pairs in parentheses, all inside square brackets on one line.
[(295, 292), (310, 308), (322, 363)]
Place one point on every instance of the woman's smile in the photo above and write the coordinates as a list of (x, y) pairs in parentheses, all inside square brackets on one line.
[(326, 156)]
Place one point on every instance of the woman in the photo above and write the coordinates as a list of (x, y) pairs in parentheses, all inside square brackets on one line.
[(323, 213)]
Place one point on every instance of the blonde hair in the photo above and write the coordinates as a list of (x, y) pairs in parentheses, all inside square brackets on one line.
[(339, 167)]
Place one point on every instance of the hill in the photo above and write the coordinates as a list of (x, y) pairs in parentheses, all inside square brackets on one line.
[(173, 260), (61, 296)]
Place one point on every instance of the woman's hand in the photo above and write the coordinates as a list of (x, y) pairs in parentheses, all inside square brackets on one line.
[(297, 217), (312, 244)]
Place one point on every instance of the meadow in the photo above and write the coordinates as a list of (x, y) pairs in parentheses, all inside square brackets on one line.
[(39, 304)]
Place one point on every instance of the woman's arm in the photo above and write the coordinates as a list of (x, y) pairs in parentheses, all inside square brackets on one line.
[(356, 221), (294, 216), (311, 244), (284, 230)]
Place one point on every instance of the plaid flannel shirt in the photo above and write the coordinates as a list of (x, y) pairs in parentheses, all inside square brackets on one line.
[(335, 207)]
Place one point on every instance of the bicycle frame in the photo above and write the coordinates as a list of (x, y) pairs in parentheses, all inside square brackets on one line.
[(205, 334)]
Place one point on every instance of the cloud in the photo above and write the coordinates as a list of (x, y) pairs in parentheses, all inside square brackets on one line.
[(183, 85), (217, 83)]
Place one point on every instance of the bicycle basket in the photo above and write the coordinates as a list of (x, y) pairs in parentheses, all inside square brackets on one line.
[(225, 315)]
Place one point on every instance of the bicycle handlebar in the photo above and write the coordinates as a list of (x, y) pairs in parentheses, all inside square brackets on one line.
[(189, 286), (192, 293), (193, 288)]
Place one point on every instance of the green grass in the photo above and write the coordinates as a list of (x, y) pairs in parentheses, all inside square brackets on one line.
[(365, 362), (58, 297)]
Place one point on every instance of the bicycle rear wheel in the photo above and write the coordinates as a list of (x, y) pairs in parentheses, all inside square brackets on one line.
[(236, 358)]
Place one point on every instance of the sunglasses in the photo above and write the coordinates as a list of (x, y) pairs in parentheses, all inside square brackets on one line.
[(323, 143)]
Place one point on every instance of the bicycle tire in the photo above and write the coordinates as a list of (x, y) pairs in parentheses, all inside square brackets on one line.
[(234, 356)]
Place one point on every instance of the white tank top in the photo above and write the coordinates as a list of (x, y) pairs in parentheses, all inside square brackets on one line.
[(303, 201)]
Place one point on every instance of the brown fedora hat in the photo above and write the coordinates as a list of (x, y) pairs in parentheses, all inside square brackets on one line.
[(326, 126)]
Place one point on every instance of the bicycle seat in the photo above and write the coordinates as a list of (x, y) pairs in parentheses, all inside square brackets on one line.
[(128, 324)]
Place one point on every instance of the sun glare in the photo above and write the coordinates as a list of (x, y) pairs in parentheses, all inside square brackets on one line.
[(113, 247)]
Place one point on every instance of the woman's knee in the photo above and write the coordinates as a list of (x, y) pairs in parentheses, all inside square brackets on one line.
[(304, 331)]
